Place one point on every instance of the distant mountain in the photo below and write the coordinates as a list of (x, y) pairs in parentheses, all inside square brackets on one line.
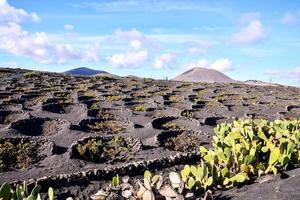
[(199, 74), (85, 71)]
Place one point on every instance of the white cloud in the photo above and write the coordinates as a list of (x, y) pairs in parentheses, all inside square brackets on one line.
[(248, 17), (130, 59), (133, 6), (263, 52), (11, 14), (136, 39), (197, 47), (272, 72), (136, 44), (10, 64), (165, 60), (130, 35), (92, 52), (15, 40), (289, 18), (222, 64), (69, 27), (159, 30), (254, 32), (291, 75), (294, 74)]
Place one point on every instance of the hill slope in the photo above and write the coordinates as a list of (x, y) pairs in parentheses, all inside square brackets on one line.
[(85, 71), (199, 74)]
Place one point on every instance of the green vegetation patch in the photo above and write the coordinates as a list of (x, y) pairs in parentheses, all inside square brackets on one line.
[(16, 153), (107, 127), (31, 74), (108, 149)]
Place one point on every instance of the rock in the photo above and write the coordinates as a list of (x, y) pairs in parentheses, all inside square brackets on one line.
[(127, 193), (141, 191), (167, 191), (179, 197), (265, 178), (100, 195), (181, 188), (208, 195), (127, 190), (148, 195), (189, 195), (174, 179), (125, 179)]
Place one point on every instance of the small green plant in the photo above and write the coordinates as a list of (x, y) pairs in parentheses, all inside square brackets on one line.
[(100, 78), (175, 99), (188, 114), (197, 176), (51, 193), (94, 106), (103, 114), (106, 127), (113, 98), (81, 87), (89, 94), (116, 181), (140, 108), (5, 191), (151, 184), (172, 126), (30, 74)]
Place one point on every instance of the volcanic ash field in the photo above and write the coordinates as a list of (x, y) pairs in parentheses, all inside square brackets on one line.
[(49, 120)]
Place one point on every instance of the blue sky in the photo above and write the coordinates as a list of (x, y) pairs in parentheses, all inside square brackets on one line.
[(150, 38)]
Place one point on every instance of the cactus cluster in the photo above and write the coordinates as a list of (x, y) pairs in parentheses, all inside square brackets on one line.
[(244, 150), (197, 175), (21, 192)]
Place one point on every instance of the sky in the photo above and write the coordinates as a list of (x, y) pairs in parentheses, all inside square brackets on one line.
[(246, 40)]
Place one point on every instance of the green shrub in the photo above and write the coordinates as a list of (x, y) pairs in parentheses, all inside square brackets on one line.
[(113, 98), (15, 154), (175, 99), (140, 108), (100, 78), (103, 150), (30, 74)]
